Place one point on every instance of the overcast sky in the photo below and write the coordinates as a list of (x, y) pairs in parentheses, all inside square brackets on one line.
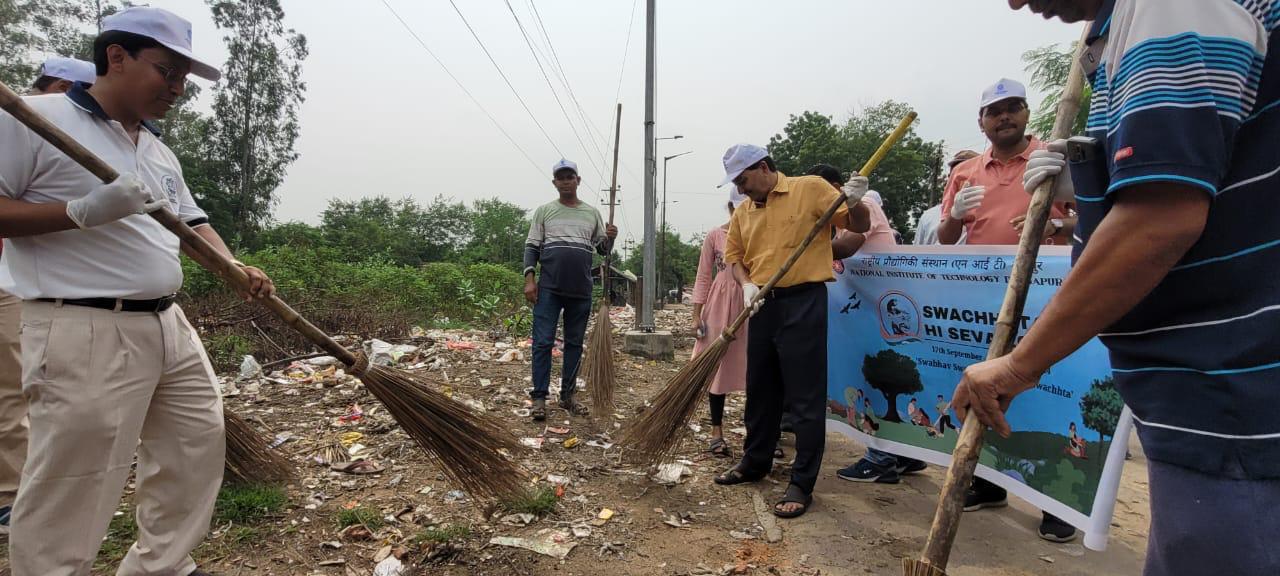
[(383, 118)]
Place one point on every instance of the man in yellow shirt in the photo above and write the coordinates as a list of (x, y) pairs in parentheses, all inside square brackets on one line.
[(786, 343)]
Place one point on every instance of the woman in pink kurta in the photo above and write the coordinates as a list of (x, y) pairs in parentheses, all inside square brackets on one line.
[(717, 301)]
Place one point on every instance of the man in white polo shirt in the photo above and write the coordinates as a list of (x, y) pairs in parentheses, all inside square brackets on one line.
[(58, 75), (110, 366)]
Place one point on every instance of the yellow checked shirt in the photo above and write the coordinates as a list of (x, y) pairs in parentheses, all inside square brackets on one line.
[(761, 238)]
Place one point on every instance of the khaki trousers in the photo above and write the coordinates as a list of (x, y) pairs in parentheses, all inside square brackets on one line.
[(13, 407), (100, 386)]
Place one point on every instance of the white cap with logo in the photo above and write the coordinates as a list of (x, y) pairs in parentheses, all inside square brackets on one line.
[(564, 165), (738, 158), (69, 69), (169, 29), (1003, 89)]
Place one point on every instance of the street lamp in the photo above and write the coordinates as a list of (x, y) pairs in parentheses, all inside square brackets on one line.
[(662, 238)]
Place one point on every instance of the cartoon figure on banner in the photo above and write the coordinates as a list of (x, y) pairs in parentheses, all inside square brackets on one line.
[(1075, 444), (899, 318)]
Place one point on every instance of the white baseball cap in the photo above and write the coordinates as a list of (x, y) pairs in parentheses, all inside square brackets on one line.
[(736, 197), (169, 29), (738, 158), (874, 196), (69, 69), (1003, 89), (563, 165)]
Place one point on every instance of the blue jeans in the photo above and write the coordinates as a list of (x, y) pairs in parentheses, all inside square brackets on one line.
[(545, 315), (880, 458)]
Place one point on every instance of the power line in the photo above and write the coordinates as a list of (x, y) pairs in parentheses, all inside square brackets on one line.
[(495, 122), (554, 94), (626, 47), (504, 78)]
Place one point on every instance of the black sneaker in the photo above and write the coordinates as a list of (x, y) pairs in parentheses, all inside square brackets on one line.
[(865, 471), (1054, 529), (977, 499), (908, 466), (4, 519)]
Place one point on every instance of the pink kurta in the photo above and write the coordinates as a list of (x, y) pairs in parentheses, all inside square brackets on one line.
[(721, 300)]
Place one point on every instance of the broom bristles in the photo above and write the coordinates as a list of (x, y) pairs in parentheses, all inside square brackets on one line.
[(914, 567), (655, 434), (464, 443), (599, 369), (249, 460)]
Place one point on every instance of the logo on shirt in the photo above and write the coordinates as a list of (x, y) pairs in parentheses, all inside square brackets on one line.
[(170, 185), (1124, 153), (899, 317)]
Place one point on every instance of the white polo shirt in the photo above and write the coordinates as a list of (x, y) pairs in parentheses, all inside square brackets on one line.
[(134, 257)]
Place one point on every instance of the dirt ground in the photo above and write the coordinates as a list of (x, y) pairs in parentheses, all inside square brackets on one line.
[(693, 527)]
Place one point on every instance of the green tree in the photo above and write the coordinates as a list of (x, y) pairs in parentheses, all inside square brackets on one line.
[(255, 123), (680, 267), (30, 29), (1049, 67), (892, 374), (910, 178), (1100, 409), (401, 231), (498, 232)]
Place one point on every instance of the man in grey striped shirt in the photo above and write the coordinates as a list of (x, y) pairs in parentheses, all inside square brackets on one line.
[(563, 236)]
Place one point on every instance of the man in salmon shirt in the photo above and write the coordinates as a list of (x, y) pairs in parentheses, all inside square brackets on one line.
[(984, 195)]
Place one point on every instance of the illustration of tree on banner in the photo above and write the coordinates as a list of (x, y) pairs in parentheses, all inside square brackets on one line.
[(893, 375), (1100, 409)]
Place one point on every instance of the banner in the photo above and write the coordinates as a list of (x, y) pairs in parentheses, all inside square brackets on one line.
[(903, 325)]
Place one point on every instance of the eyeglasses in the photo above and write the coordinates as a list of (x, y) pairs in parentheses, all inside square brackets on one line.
[(170, 74), (1010, 106), (742, 177)]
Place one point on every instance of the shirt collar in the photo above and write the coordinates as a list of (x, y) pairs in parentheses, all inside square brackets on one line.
[(783, 186), (79, 95), (1033, 144), (1102, 22)]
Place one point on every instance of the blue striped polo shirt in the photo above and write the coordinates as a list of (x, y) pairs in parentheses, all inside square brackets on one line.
[(1186, 92)]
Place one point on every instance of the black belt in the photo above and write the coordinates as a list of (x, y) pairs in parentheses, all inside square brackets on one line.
[(796, 289), (118, 304)]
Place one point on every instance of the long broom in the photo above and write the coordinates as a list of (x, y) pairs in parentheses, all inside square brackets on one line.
[(249, 459), (964, 460), (599, 369), (654, 436), (466, 445)]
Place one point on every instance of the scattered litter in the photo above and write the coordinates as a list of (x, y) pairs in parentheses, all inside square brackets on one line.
[(555, 430), (332, 545), (670, 473), (581, 531), (740, 535), (603, 517), (1048, 559), (553, 544), (535, 443), (355, 533), (557, 479), (453, 496), (249, 369), (281, 438), (460, 345), (349, 438), (571, 442), (511, 355), (322, 361), (599, 444), (389, 566), (354, 414), (358, 467), (523, 519), (334, 562), (385, 354)]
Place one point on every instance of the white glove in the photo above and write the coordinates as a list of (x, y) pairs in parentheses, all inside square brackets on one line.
[(968, 199), (749, 292), (125, 196), (855, 189), (1049, 163)]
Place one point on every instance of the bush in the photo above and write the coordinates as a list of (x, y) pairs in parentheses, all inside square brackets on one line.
[(372, 299)]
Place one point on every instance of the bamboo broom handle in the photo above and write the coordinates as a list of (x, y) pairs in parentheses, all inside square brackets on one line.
[(205, 254), (946, 519), (822, 223), (613, 199)]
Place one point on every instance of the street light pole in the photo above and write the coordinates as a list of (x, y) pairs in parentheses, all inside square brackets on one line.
[(662, 235)]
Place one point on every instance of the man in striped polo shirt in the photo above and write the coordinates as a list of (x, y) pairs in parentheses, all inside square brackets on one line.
[(562, 238), (1176, 256)]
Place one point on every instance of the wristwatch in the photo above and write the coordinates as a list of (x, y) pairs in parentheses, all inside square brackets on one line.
[(1057, 226)]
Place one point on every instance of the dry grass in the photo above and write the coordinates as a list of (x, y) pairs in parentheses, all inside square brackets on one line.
[(599, 364), (653, 437)]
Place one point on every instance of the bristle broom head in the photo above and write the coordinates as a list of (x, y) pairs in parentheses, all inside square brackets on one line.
[(599, 371), (914, 567), (248, 459), (653, 437), (465, 444)]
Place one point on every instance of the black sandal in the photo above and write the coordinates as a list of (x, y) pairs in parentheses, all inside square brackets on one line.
[(793, 495), (539, 411), (719, 448), (736, 475)]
